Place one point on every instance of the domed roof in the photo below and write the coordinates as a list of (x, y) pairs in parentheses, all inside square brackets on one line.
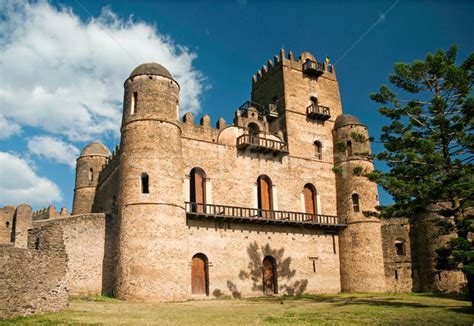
[(95, 149), (345, 120), (151, 68)]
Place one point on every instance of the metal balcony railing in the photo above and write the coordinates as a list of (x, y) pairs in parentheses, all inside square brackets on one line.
[(260, 144), (318, 112), (245, 214), (249, 104), (313, 68)]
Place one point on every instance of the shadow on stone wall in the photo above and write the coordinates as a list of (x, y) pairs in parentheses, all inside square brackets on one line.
[(254, 272)]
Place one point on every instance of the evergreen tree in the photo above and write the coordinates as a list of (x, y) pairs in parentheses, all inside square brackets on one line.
[(429, 150)]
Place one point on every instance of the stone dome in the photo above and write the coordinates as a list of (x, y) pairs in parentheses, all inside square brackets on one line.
[(95, 149), (151, 69), (345, 120)]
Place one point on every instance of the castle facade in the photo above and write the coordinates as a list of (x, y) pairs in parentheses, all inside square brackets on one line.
[(275, 202)]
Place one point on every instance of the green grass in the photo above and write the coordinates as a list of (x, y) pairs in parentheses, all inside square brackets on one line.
[(345, 309)]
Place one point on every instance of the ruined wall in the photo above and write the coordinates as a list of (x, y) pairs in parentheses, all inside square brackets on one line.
[(34, 281), (83, 241), (424, 241), (6, 223), (397, 254)]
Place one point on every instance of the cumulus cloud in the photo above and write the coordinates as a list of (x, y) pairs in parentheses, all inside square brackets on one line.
[(65, 76), (7, 128), (19, 183), (53, 149)]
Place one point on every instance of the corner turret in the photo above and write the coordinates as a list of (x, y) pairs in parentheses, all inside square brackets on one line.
[(88, 166), (361, 254)]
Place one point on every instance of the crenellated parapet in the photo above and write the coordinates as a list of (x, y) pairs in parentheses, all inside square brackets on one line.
[(49, 212), (110, 165), (203, 130), (306, 63)]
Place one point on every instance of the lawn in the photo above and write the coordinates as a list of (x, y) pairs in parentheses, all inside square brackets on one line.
[(310, 309)]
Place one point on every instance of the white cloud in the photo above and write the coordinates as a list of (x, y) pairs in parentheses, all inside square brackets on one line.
[(7, 128), (53, 149), (19, 183), (66, 76)]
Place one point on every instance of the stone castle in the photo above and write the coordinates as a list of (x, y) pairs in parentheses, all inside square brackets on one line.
[(273, 203)]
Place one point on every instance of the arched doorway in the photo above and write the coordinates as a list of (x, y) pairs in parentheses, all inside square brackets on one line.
[(269, 276), (199, 275), (254, 133), (265, 202), (198, 190), (310, 200)]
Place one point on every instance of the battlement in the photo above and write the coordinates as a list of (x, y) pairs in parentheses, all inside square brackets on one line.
[(49, 212), (305, 62), (111, 163)]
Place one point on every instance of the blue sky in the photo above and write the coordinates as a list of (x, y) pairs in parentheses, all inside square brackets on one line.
[(214, 47)]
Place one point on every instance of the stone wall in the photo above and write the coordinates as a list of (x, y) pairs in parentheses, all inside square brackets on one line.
[(397, 254), (424, 241), (83, 241), (34, 281)]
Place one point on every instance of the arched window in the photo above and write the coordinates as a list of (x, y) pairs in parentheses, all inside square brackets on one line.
[(7, 224), (355, 203), (254, 133), (400, 247), (133, 104), (318, 149), (349, 148), (198, 190), (310, 199), (265, 200), (314, 101), (269, 276), (200, 275), (145, 183), (91, 174)]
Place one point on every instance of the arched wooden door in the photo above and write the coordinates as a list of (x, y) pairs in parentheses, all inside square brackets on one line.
[(199, 277), (309, 200), (265, 195), (197, 194), (269, 276)]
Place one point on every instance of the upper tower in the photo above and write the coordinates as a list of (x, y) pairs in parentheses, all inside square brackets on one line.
[(150, 92), (306, 96), (88, 166)]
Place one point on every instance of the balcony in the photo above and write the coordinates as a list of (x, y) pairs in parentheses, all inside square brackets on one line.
[(262, 145), (318, 112), (260, 216), (313, 68)]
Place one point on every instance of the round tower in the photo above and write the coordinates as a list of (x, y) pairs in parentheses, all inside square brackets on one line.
[(88, 165), (151, 178), (361, 255)]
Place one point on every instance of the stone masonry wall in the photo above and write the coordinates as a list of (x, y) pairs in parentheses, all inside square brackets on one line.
[(84, 239), (398, 269), (34, 281)]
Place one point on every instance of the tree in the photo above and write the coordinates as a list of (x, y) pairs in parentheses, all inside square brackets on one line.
[(429, 150)]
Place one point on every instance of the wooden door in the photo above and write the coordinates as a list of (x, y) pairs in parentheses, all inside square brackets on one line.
[(198, 275), (265, 196), (268, 276), (309, 201), (197, 191)]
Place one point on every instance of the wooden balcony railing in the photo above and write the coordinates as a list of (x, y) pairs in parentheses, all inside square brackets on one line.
[(244, 214), (260, 144), (313, 68), (318, 112)]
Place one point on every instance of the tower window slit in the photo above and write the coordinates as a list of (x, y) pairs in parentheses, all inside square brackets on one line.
[(91, 174), (355, 203), (145, 184), (133, 106)]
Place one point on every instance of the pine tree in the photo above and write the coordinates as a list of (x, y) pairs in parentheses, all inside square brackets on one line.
[(429, 150)]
